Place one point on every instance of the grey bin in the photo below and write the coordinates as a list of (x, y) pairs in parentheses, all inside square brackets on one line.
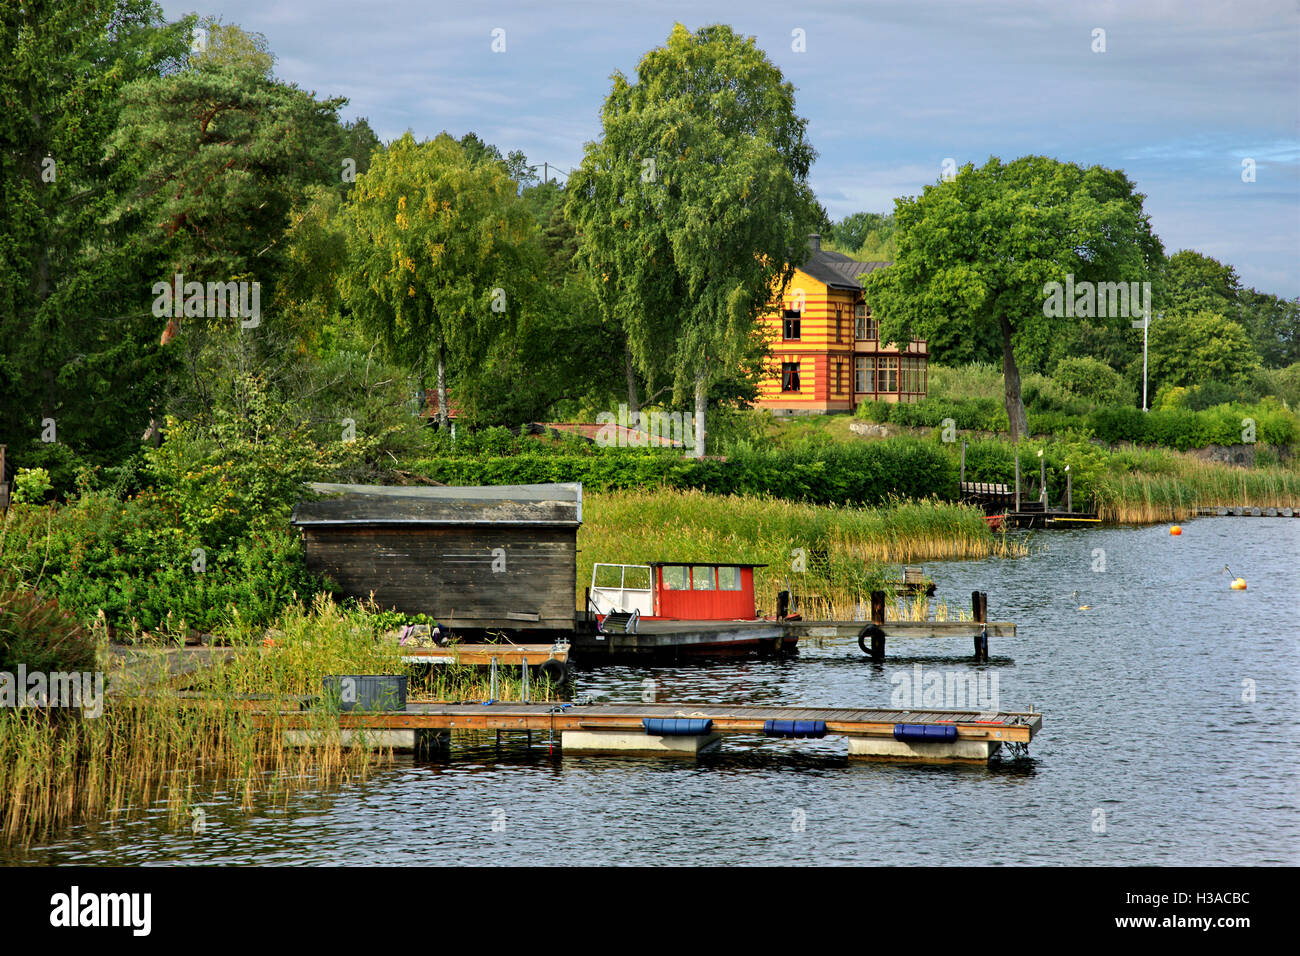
[(365, 691)]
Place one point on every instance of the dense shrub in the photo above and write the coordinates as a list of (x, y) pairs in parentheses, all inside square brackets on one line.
[(857, 472), (40, 635), (1093, 380), (134, 561)]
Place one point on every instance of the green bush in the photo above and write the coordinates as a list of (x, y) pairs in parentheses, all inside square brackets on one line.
[(818, 473), (134, 561), (1092, 380), (40, 635)]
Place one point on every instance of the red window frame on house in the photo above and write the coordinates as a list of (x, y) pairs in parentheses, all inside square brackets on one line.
[(789, 376), (791, 325)]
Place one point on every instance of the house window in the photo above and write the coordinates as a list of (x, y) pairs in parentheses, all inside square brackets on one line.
[(702, 578), (728, 579), (791, 321), (866, 323), (789, 376), (864, 373), (887, 373)]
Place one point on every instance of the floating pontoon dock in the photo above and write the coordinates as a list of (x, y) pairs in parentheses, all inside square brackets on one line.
[(1248, 512), (920, 736), (873, 634)]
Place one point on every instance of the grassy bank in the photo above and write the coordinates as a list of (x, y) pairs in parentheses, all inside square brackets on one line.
[(57, 766), (845, 552), (1142, 486)]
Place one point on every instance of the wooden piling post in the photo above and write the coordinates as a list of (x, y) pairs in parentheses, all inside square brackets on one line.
[(1069, 504), (878, 619), (782, 605), (979, 601), (961, 484), (1042, 479), (1017, 480)]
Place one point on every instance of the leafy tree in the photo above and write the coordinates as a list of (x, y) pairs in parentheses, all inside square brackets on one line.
[(975, 255), (1192, 282), (853, 232), (1273, 324), (70, 347), (442, 255), (1200, 348), (693, 204)]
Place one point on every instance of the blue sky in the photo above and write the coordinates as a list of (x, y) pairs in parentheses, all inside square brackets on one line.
[(1184, 92)]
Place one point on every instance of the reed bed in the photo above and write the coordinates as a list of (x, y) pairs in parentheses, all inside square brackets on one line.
[(1150, 486), (170, 747), (830, 557)]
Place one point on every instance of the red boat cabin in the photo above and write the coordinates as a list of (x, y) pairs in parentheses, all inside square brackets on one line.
[(674, 590)]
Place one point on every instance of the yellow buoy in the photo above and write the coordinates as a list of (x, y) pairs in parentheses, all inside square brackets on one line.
[(1238, 585), (1175, 530)]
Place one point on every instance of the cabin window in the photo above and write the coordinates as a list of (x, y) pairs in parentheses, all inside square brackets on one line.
[(728, 579), (864, 373), (791, 323), (702, 578), (636, 577), (789, 376), (674, 578), (608, 576)]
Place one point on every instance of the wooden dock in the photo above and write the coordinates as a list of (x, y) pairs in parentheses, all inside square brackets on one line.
[(873, 635), (917, 736), (482, 655)]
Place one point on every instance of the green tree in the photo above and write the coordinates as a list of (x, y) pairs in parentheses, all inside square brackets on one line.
[(442, 255), (1192, 282), (852, 232), (976, 254), (693, 204), (1199, 349), (71, 348)]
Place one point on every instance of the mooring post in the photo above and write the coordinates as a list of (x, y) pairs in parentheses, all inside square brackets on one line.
[(878, 619), (961, 485), (1069, 504), (782, 604), (1042, 479), (1017, 480), (979, 602)]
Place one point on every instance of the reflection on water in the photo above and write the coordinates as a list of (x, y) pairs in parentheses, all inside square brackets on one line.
[(1145, 730)]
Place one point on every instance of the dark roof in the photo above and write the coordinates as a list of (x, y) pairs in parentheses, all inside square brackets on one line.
[(551, 504), (837, 270), (702, 564)]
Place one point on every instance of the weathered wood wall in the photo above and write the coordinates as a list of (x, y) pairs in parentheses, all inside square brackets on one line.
[(447, 572)]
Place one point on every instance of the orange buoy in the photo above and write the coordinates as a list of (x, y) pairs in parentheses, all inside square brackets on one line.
[(1238, 585), (1175, 530)]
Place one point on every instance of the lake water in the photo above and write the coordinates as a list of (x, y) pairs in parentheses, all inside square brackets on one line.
[(1151, 751)]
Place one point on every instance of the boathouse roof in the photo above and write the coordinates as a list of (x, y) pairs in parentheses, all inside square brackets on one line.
[(554, 505)]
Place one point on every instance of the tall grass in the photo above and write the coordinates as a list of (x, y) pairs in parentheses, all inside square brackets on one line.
[(226, 732), (845, 552), (1143, 486)]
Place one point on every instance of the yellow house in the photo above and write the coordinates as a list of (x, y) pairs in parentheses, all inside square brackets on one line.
[(824, 343)]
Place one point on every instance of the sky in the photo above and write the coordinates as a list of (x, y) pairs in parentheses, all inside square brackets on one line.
[(1177, 94)]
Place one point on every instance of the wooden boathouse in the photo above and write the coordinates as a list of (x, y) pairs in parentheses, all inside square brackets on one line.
[(473, 558)]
